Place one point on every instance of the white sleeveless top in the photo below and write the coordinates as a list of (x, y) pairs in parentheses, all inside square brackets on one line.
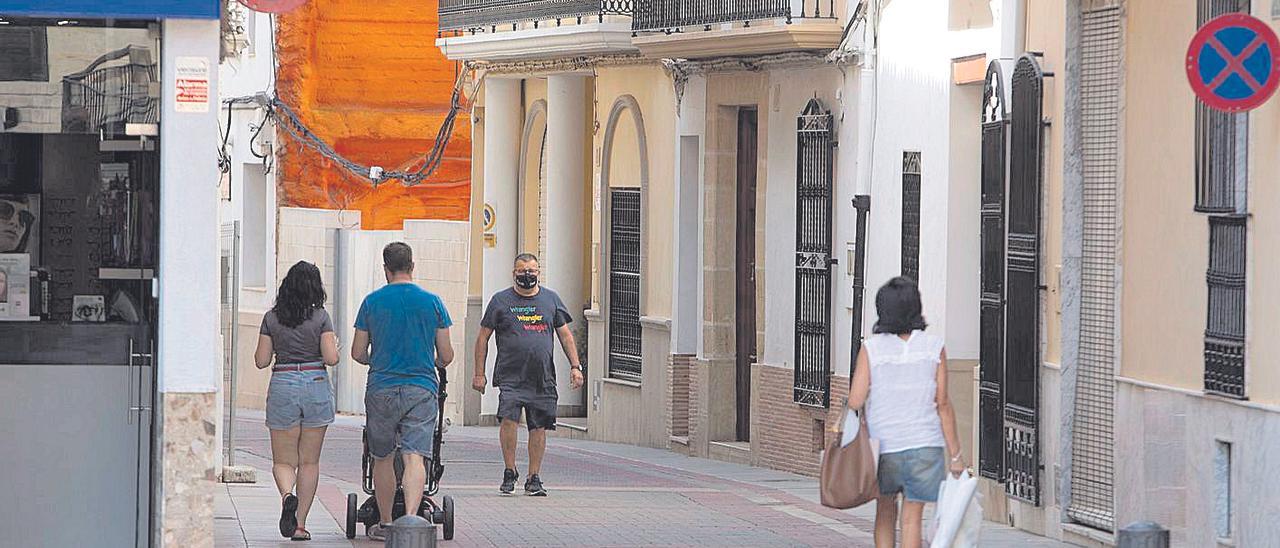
[(901, 409)]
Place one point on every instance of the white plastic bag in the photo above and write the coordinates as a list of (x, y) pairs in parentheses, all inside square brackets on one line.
[(958, 516), (850, 431)]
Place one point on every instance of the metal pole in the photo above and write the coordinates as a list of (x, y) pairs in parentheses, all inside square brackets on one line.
[(235, 329), (411, 531), (1143, 534)]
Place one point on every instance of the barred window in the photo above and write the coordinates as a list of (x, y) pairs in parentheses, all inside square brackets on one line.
[(1224, 334), (1221, 138), (911, 214), (624, 284)]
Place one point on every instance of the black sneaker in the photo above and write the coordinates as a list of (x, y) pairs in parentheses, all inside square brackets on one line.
[(533, 487), (509, 478)]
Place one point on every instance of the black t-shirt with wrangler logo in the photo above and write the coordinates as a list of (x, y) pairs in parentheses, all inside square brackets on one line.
[(525, 327)]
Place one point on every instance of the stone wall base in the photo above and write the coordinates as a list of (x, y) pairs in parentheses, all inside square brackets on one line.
[(187, 458)]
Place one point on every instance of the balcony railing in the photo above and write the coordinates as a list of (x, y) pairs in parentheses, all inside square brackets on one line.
[(672, 15), (491, 15)]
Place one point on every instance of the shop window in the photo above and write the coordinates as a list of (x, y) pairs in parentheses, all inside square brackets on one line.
[(79, 190)]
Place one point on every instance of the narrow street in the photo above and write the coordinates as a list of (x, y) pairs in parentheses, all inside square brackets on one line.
[(601, 495)]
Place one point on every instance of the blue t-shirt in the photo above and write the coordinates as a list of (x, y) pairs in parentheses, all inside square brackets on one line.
[(402, 320)]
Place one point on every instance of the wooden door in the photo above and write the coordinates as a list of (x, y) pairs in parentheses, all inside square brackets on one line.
[(745, 268)]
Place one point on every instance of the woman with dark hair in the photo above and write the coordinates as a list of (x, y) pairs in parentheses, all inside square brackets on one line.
[(901, 377), (297, 335)]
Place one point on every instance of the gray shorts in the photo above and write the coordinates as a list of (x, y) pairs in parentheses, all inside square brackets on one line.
[(539, 409), (400, 416), (299, 397)]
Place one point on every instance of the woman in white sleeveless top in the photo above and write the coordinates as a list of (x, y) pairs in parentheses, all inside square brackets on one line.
[(901, 377)]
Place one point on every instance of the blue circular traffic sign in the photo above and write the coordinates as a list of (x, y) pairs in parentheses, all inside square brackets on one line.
[(1233, 62)]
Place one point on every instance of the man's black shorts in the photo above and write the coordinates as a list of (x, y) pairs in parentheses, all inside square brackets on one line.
[(539, 409)]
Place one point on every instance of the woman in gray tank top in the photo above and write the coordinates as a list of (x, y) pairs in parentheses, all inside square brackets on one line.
[(297, 337)]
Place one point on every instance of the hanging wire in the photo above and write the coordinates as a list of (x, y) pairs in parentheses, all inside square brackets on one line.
[(289, 119)]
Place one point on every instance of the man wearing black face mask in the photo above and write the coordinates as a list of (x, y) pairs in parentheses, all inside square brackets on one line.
[(524, 317)]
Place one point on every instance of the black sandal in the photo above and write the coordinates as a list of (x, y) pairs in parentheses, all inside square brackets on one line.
[(289, 516), (301, 533)]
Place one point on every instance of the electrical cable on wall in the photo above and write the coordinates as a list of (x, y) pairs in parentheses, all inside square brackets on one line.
[(289, 119)]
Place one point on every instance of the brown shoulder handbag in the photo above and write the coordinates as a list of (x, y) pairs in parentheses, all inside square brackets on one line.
[(848, 477)]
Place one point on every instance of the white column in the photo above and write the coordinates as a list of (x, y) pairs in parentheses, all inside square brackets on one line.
[(566, 207), (188, 273), (502, 119)]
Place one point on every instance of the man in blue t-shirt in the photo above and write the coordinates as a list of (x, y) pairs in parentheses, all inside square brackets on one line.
[(408, 329)]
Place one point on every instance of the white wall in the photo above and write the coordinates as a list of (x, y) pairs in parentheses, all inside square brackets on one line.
[(244, 75), (789, 92), (691, 121), (188, 273), (350, 260), (913, 96)]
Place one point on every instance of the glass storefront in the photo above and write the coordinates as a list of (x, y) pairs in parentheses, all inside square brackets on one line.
[(80, 104), (79, 184)]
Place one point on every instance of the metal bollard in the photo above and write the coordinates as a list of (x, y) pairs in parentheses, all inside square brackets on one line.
[(411, 531), (1143, 534)]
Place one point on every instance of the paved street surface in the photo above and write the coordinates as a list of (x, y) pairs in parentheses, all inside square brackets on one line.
[(600, 495)]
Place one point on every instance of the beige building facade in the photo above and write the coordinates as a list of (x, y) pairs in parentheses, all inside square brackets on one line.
[(1136, 393)]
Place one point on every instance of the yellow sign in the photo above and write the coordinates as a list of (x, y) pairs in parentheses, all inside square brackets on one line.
[(490, 240)]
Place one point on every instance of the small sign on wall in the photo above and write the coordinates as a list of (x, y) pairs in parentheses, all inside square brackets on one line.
[(191, 85), (490, 240)]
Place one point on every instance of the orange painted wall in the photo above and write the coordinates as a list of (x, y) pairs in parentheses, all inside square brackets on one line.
[(368, 79)]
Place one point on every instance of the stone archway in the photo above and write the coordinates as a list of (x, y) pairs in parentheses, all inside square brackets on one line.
[(625, 104), (531, 184)]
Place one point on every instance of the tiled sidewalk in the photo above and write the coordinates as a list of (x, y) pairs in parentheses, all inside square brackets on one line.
[(601, 495)]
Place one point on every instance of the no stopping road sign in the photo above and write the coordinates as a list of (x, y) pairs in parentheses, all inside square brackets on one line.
[(1233, 62)]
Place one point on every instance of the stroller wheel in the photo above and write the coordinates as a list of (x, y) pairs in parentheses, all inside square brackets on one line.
[(352, 504), (448, 518)]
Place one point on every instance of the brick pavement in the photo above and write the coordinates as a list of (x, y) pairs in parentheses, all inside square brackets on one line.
[(601, 495)]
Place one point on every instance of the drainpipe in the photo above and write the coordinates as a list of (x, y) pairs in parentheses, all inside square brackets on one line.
[(867, 98)]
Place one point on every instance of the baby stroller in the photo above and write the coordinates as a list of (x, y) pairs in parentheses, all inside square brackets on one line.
[(440, 514)]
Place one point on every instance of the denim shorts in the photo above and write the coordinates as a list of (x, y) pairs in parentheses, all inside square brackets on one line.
[(299, 397), (916, 473), (401, 417)]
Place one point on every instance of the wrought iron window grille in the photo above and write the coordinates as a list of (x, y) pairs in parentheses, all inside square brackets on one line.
[(911, 214), (671, 16), (815, 157), (624, 284), (1221, 138), (459, 17), (1224, 336)]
